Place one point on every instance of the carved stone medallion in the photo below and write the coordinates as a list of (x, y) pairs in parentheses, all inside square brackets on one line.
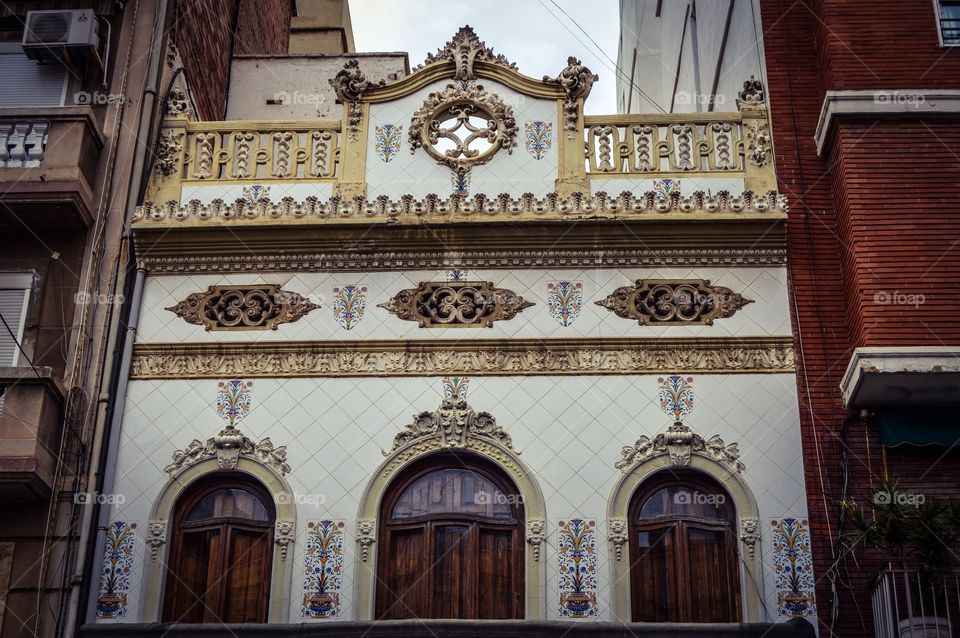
[(456, 304), (261, 307), (688, 302)]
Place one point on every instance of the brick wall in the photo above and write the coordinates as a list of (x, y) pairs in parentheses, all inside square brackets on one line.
[(205, 37), (877, 214)]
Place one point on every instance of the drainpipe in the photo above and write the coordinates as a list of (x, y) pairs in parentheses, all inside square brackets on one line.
[(105, 438)]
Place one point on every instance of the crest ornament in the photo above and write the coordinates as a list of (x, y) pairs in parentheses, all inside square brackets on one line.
[(350, 84), (453, 423), (463, 50), (576, 80), (752, 93), (679, 442)]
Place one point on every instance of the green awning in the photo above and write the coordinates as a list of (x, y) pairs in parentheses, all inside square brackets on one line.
[(918, 426)]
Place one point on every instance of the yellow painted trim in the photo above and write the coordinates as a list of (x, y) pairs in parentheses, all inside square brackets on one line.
[(439, 71)]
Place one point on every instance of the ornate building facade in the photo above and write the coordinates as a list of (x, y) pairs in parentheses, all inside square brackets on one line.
[(459, 351)]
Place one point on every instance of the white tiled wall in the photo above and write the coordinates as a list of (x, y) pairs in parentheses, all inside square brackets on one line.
[(766, 286), (569, 431)]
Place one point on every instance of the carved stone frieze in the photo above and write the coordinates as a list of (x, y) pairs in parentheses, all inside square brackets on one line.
[(453, 423), (617, 534), (228, 446), (456, 304), (475, 122), (366, 537), (536, 535), (284, 534), (757, 133), (434, 208), (354, 261), (687, 302), (679, 442), (463, 50), (437, 358), (576, 80), (259, 307), (169, 147)]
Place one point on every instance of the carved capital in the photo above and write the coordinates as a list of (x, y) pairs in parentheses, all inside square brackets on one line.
[(456, 304), (156, 537), (617, 534), (689, 302), (283, 535), (366, 537), (536, 535)]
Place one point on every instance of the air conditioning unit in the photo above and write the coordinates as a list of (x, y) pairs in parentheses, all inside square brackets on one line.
[(65, 36)]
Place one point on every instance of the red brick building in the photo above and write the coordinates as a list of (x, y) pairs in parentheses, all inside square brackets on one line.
[(865, 102)]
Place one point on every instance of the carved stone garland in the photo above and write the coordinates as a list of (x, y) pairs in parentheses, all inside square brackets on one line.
[(688, 302), (350, 84), (463, 50), (457, 105), (576, 80), (466, 304), (453, 424), (679, 441), (169, 147), (261, 307), (227, 447)]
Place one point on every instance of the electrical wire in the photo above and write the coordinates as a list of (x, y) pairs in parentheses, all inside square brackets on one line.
[(19, 347)]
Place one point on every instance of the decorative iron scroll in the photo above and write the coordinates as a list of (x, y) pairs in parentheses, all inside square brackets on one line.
[(689, 302), (242, 307), (456, 304), (453, 423)]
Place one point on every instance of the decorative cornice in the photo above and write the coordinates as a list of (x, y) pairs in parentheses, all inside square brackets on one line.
[(455, 208), (453, 423), (227, 447), (461, 304), (881, 104), (679, 442), (448, 356), (359, 261)]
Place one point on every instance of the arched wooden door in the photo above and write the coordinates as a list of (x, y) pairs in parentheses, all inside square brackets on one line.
[(451, 543), (684, 564), (220, 553)]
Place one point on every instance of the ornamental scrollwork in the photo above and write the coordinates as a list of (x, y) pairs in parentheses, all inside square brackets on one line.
[(366, 537), (536, 535), (750, 534), (259, 307), (449, 304), (679, 442), (169, 147), (688, 302), (463, 50), (471, 120), (758, 141), (349, 84), (617, 534), (178, 103), (453, 424), (228, 446), (283, 535), (576, 80), (156, 537), (752, 93)]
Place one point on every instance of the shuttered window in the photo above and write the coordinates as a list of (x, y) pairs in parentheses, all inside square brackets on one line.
[(13, 308), (23, 82)]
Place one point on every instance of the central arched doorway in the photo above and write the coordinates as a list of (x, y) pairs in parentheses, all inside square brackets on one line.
[(451, 542), (684, 564)]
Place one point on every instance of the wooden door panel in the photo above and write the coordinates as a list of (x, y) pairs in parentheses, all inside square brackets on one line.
[(245, 595), (497, 595), (404, 585), (653, 576), (709, 587), (454, 577)]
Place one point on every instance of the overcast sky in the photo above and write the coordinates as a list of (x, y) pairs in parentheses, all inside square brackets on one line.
[(533, 33)]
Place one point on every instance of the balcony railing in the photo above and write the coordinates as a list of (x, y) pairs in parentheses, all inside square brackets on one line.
[(22, 144), (908, 604)]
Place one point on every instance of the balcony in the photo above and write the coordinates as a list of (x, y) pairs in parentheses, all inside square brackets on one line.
[(456, 629), (30, 417), (909, 605), (48, 166)]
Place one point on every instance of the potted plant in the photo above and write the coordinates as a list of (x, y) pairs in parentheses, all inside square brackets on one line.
[(918, 532)]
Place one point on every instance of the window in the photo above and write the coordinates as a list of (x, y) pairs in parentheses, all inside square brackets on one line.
[(683, 551), (948, 20), (451, 545), (221, 553), (14, 292), (24, 82)]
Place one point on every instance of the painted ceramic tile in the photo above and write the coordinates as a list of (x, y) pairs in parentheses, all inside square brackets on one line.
[(233, 400), (564, 301), (578, 568), (117, 565), (455, 387), (793, 566), (676, 396), (539, 138), (460, 183), (666, 187), (323, 569), (388, 138), (349, 303), (253, 194), (456, 274)]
